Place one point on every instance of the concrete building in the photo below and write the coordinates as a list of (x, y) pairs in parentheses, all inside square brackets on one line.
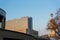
[(23, 25), (19, 25)]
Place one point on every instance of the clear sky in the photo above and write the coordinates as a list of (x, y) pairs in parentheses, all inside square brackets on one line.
[(39, 10)]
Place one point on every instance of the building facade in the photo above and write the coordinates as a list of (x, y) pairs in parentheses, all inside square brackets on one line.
[(23, 25), (19, 25)]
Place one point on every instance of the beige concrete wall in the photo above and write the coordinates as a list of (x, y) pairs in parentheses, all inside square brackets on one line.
[(19, 25)]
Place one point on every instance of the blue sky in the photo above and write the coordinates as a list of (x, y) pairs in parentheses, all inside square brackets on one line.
[(39, 10)]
